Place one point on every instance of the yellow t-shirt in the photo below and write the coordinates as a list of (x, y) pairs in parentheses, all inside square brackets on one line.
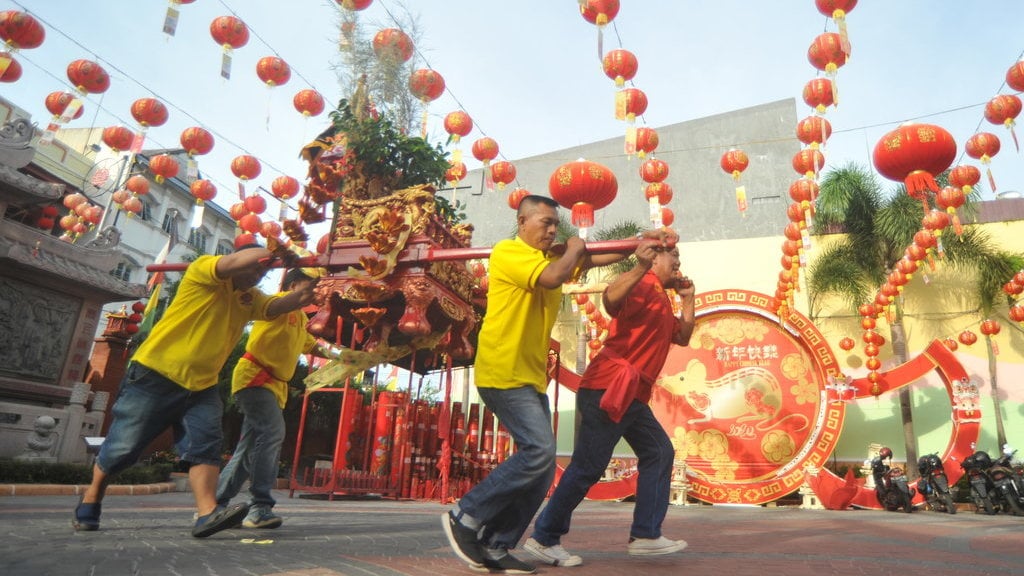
[(276, 345), (194, 338), (512, 349)]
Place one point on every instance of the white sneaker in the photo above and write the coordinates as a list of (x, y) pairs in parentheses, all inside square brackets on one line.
[(654, 546), (554, 555)]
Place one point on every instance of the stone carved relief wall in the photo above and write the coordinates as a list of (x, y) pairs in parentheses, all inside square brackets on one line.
[(36, 329)]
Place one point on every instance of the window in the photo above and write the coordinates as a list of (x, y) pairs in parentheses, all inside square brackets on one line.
[(147, 212), (123, 271), (170, 224), (197, 239), (224, 248)]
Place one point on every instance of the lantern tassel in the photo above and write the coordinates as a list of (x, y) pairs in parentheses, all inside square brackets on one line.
[(582, 216), (991, 180), (918, 183)]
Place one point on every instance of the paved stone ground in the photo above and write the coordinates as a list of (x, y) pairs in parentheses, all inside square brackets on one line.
[(149, 535)]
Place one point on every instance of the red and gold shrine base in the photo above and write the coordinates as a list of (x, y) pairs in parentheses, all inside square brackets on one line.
[(745, 401)]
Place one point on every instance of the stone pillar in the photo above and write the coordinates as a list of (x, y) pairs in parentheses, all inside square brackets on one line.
[(109, 361), (71, 447)]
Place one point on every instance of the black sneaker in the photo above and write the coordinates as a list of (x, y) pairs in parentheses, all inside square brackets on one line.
[(86, 517), (463, 540), (506, 563), (219, 519)]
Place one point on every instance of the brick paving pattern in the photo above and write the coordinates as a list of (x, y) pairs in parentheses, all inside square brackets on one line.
[(149, 535)]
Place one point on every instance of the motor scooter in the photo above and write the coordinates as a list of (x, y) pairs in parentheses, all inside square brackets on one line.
[(1006, 488), (891, 486), (934, 485), (982, 491)]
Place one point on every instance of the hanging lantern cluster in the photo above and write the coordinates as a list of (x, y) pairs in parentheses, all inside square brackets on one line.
[(599, 13), (516, 196), (47, 217), (247, 213), (458, 125), (734, 162), (64, 106), (392, 47), (826, 54), (426, 85), (837, 11), (583, 187), (593, 323), (127, 198), (245, 168), (82, 217), (873, 341)]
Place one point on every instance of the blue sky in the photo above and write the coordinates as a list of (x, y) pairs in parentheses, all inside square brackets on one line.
[(528, 72)]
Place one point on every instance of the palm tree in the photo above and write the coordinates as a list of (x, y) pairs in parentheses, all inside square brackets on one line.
[(878, 229)]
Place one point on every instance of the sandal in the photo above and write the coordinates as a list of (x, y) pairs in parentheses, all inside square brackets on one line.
[(87, 516), (220, 519)]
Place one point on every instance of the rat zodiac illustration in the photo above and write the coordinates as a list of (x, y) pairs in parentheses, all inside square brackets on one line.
[(747, 394)]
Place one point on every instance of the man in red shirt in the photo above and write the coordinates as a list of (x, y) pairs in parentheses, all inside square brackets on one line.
[(613, 402)]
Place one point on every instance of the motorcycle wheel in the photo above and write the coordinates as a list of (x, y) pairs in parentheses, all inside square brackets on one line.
[(1013, 507), (905, 502), (985, 505), (947, 501)]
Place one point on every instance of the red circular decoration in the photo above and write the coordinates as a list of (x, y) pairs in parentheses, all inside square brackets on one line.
[(818, 94), (137, 184), (935, 220), (950, 198), (20, 30), (990, 327), (964, 176), (455, 172), (244, 240), (915, 154), (203, 190), (1015, 76), (164, 166), (246, 167), (967, 337), (284, 187), (391, 44), (1017, 313), (503, 173), (354, 5), (734, 162), (951, 344), (620, 65), (516, 196), (847, 343), (599, 12), (149, 112), (133, 205), (229, 31), (426, 84), (1003, 109), (804, 191), (813, 130), (196, 140), (88, 77), (117, 137), (485, 149), (667, 216), (660, 190), (13, 74), (270, 229), (653, 170), (826, 52), (808, 162), (138, 307), (255, 204), (273, 71), (795, 212), (646, 140), (308, 102), (56, 102), (583, 186), (830, 8), (982, 146), (458, 124), (237, 210), (635, 102), (251, 223)]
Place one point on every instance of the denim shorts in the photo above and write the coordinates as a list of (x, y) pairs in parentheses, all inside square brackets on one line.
[(149, 403)]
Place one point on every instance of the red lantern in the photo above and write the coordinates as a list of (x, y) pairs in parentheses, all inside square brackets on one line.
[(813, 131), (653, 170), (1019, 277), (245, 167), (599, 12), (990, 327), (826, 54), (229, 32), (660, 192), (983, 146), (667, 216), (1016, 312), (1011, 288), (906, 266), (914, 154), (455, 173), (1004, 109), (355, 5), (426, 84), (20, 30), (308, 102), (792, 231), (196, 140), (818, 94), (138, 184), (583, 186), (516, 196), (458, 125), (847, 343), (949, 199), (1015, 76), (244, 240), (804, 191), (796, 213), (163, 166), (117, 137), (250, 223), (734, 162), (967, 337), (273, 71), (255, 204), (270, 229), (936, 221), (237, 210), (630, 103), (646, 141), (149, 112), (88, 77), (392, 45), (503, 173), (133, 205), (284, 187), (951, 344), (203, 191), (620, 65), (58, 102), (808, 162), (13, 70), (964, 177), (837, 10), (485, 149)]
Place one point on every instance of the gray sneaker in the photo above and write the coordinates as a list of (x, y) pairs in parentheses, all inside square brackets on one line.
[(261, 517), (654, 546), (554, 555)]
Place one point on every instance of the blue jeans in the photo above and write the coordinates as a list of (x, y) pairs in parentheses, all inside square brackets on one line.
[(506, 500), (256, 456), (147, 404), (595, 442)]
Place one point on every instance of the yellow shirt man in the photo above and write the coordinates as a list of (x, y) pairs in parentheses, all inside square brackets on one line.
[(271, 352)]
